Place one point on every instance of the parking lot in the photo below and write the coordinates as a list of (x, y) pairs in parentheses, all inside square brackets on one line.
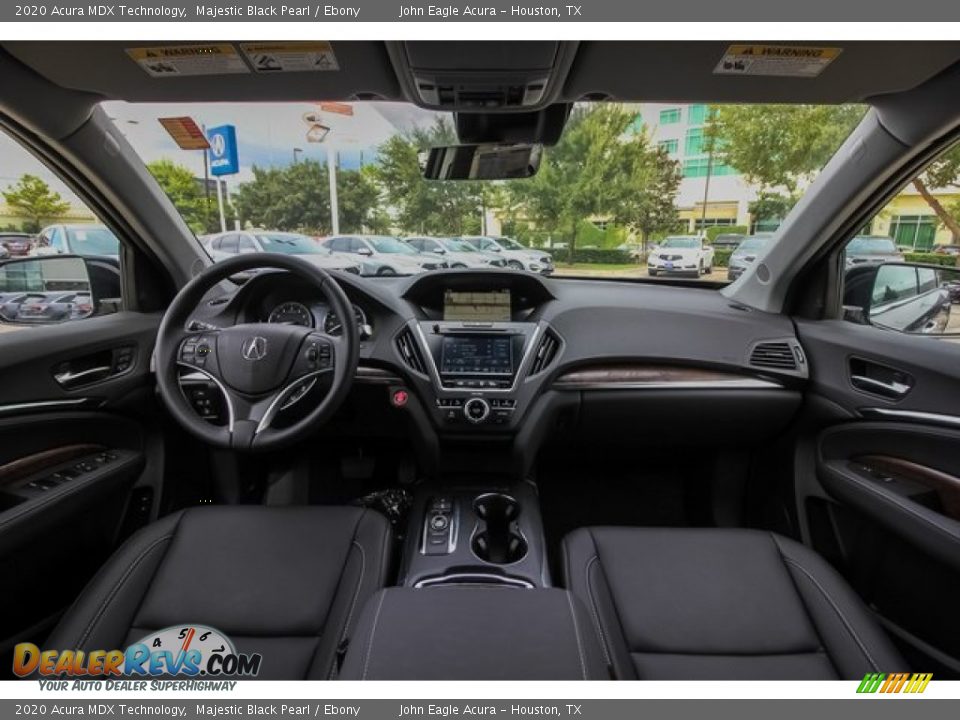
[(625, 271)]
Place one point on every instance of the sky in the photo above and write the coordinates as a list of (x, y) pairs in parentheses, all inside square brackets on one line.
[(267, 134)]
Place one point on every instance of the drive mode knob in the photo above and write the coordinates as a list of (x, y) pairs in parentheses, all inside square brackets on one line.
[(476, 410)]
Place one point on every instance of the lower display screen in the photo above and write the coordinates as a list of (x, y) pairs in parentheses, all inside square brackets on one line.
[(476, 355)]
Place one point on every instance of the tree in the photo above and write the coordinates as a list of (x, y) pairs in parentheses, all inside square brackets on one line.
[(652, 208), (187, 195), (33, 198), (942, 173), (427, 206), (779, 147), (297, 198), (598, 169), (291, 198)]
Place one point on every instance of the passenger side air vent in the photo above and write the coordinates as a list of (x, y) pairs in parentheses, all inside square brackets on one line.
[(546, 352), (410, 351), (777, 355)]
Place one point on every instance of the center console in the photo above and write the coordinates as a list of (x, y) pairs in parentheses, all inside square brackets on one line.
[(475, 536)]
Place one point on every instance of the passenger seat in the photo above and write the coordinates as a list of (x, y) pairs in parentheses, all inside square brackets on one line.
[(704, 604)]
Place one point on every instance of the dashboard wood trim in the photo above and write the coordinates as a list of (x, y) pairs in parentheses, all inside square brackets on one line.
[(648, 377)]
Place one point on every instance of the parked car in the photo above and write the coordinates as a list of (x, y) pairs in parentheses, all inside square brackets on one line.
[(947, 250), (458, 254), (46, 307), (681, 255), (517, 256), (388, 255), (225, 245), (746, 253), (91, 240), (872, 250), (728, 241), (15, 244)]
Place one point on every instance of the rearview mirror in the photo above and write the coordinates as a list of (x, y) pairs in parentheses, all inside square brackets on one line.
[(481, 162), (917, 299), (47, 289)]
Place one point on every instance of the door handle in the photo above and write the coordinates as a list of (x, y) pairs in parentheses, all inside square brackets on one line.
[(68, 378), (891, 389)]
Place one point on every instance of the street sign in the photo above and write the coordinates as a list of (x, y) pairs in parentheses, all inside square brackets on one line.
[(223, 150), (336, 107), (185, 133)]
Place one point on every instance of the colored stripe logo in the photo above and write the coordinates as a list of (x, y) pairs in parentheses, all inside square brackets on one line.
[(894, 683)]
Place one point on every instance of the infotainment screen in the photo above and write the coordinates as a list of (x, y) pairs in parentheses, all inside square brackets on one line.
[(489, 306), (476, 355)]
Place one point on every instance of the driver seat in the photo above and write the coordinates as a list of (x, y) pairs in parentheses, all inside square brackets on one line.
[(285, 582)]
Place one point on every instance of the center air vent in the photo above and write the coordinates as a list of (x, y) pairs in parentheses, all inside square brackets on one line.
[(777, 355), (546, 352), (410, 351)]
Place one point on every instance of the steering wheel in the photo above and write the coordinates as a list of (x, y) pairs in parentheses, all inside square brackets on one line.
[(259, 367)]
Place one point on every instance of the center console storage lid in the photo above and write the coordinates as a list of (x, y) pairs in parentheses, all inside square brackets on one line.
[(474, 633)]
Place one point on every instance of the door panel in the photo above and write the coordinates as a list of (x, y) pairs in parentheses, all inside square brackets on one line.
[(76, 419), (884, 502)]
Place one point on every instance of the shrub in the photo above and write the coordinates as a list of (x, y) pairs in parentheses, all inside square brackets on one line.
[(930, 258), (715, 230), (721, 258), (594, 255)]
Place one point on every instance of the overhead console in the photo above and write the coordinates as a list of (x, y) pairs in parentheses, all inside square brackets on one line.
[(495, 76)]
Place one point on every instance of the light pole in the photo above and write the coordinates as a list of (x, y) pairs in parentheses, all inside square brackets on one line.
[(296, 151), (332, 172)]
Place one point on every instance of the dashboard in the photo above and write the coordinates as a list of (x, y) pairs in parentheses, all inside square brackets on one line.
[(490, 353)]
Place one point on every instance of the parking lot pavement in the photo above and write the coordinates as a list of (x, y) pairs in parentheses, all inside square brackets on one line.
[(637, 271)]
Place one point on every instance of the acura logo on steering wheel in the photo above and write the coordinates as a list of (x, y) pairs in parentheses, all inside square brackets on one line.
[(254, 348)]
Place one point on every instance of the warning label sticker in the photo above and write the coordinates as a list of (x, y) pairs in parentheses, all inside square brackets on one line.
[(776, 60), (274, 57), (183, 60)]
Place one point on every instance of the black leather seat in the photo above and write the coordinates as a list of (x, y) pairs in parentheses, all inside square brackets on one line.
[(287, 583), (721, 604)]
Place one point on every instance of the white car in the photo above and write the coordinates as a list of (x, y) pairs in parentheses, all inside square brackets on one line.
[(225, 245), (517, 256), (681, 255), (389, 255), (457, 253)]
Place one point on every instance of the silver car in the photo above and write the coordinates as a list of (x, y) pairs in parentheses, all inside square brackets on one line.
[(457, 253), (225, 245), (387, 254), (871, 250)]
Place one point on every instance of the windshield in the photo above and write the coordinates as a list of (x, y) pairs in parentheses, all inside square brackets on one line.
[(752, 244), (93, 241), (681, 242), (623, 180), (391, 246), (457, 246), (510, 244), (289, 243), (871, 246)]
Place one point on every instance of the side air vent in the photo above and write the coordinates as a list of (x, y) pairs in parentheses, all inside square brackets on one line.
[(410, 351), (546, 352), (777, 355)]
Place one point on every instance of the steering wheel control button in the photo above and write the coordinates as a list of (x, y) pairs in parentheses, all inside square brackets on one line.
[(476, 410)]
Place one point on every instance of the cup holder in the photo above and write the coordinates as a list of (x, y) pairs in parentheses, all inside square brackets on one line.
[(498, 539)]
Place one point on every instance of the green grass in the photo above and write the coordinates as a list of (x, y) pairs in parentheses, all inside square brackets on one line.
[(597, 266)]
